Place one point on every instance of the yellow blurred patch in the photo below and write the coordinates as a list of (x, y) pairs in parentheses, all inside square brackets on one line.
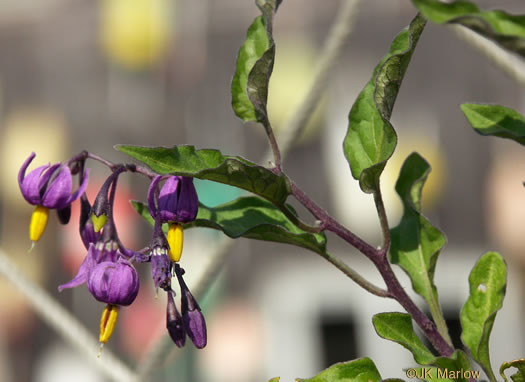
[(135, 33)]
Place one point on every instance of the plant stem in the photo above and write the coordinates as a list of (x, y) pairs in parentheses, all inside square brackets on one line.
[(383, 220), (380, 260), (274, 146), (356, 277), (398, 293)]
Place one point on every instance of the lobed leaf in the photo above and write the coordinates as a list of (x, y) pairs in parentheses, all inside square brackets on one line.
[(503, 28), (487, 283), (519, 364), (370, 139), (415, 243), (253, 218), (496, 120), (359, 370), (254, 66), (212, 165)]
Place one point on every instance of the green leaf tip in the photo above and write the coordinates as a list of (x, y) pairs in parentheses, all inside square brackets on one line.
[(519, 364), (250, 217), (254, 66), (487, 283), (496, 120), (359, 370), (503, 28), (398, 327), (213, 165), (276, 379), (370, 139), (415, 243)]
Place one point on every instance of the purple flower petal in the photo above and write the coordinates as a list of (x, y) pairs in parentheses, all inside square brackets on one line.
[(81, 189), (174, 322), (188, 201), (83, 272), (23, 169), (114, 283), (58, 192), (42, 185), (195, 327), (161, 268), (169, 198), (151, 196), (30, 186)]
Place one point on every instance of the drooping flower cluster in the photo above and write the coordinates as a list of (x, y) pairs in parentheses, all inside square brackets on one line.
[(108, 269)]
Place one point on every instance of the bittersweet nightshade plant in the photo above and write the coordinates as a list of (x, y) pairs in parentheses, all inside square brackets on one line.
[(414, 244)]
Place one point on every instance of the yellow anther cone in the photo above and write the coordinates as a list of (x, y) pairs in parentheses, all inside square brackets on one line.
[(108, 320), (175, 241), (38, 223)]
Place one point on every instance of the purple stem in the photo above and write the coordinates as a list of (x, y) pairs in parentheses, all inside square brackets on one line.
[(380, 260)]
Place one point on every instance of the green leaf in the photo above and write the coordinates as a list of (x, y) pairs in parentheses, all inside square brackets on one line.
[(519, 364), (359, 370), (503, 28), (487, 289), (455, 368), (370, 140), (496, 120), (250, 217), (415, 243), (397, 327), (212, 165), (276, 379), (254, 66)]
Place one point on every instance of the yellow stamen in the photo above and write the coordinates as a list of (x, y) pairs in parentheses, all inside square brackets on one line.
[(175, 240), (38, 223), (108, 320), (98, 221)]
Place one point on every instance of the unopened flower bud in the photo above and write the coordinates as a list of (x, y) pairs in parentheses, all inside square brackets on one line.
[(174, 322)]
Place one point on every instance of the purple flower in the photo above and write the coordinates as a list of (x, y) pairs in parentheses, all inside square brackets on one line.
[(115, 283), (174, 322), (101, 252), (39, 189), (177, 200)]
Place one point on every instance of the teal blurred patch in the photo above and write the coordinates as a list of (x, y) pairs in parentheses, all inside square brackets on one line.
[(212, 193)]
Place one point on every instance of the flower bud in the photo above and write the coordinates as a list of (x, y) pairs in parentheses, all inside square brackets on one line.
[(174, 322), (192, 317), (115, 283)]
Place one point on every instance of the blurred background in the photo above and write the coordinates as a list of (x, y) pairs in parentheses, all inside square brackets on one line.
[(78, 75)]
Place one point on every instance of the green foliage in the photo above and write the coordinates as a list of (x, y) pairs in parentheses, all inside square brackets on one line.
[(250, 217), (370, 140), (487, 289), (254, 66), (519, 364), (276, 379), (359, 370), (416, 244), (496, 120), (397, 327), (503, 28), (212, 165)]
